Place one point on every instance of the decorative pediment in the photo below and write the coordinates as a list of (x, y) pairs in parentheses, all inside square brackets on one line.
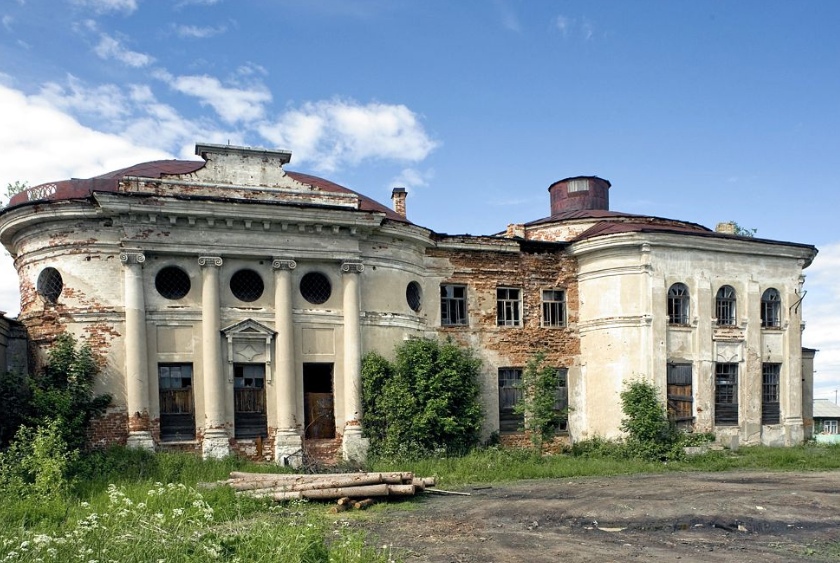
[(249, 328)]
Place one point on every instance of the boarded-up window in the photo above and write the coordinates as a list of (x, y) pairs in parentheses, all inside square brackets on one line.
[(680, 396), (249, 417), (510, 393), (177, 415), (726, 393), (770, 411)]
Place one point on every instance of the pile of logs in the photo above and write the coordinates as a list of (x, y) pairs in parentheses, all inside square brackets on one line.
[(337, 486)]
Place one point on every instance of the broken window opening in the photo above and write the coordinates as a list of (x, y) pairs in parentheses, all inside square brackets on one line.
[(771, 306), (453, 305), (678, 304), (770, 408), (508, 306), (510, 393), (725, 310), (553, 308), (175, 396), (726, 393), (680, 395)]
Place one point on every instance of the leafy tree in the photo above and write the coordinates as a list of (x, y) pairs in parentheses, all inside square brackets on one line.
[(743, 231), (539, 389), (14, 188), (650, 435), (426, 401)]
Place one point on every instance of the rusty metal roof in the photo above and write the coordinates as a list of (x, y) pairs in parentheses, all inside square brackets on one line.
[(109, 182)]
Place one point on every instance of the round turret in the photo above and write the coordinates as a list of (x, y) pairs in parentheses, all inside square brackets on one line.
[(579, 193)]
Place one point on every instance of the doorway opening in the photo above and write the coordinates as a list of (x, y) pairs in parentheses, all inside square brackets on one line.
[(319, 401)]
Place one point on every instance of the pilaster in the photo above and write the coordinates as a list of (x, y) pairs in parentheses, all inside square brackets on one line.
[(287, 443), (354, 446), (216, 440)]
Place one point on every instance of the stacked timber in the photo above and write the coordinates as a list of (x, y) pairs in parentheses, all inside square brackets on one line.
[(333, 486)]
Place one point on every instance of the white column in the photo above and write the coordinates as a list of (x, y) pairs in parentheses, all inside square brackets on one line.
[(216, 440), (288, 446), (136, 361), (354, 446)]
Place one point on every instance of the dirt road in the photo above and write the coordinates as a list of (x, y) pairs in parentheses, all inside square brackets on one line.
[(734, 516)]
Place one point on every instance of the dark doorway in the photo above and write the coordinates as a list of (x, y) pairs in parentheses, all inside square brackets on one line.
[(319, 402), (177, 418), (249, 419)]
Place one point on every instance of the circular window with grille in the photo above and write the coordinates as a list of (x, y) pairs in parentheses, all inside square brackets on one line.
[(315, 287), (49, 284), (414, 296), (247, 285), (172, 282)]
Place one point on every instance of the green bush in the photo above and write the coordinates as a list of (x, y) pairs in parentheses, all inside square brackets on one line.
[(426, 402), (650, 435), (539, 396)]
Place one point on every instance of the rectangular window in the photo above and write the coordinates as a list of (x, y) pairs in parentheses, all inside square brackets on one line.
[(453, 305), (510, 393), (726, 393), (680, 396), (829, 427), (249, 414), (561, 398), (553, 308), (508, 306), (770, 412), (579, 185), (177, 417)]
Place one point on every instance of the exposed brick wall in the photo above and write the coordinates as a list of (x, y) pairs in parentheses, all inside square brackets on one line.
[(522, 441), (323, 452), (109, 429), (258, 449)]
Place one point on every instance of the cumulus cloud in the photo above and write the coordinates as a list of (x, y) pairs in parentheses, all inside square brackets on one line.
[(196, 32), (111, 48), (105, 101), (412, 178), (572, 26), (822, 315), (332, 133), (106, 6), (230, 103)]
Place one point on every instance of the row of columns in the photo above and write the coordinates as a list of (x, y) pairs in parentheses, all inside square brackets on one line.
[(215, 442)]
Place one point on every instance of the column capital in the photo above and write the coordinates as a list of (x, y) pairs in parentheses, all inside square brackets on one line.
[(210, 261), (283, 264), (352, 267), (132, 257)]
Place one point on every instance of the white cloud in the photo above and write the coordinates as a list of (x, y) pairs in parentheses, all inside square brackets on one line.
[(412, 178), (571, 26), (822, 316), (7, 22), (183, 3), (105, 101), (195, 32), (332, 133), (106, 6), (563, 24), (510, 20), (110, 48), (231, 104)]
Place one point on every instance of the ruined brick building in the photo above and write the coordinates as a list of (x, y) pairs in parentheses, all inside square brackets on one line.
[(231, 302)]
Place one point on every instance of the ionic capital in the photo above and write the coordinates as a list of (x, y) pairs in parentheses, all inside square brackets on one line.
[(352, 267), (210, 261), (132, 257), (283, 264)]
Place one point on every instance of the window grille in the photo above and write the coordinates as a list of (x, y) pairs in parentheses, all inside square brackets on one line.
[(678, 304), (508, 307), (414, 296), (770, 411), (247, 285), (510, 393), (553, 308), (725, 310), (453, 305), (49, 284), (172, 282), (771, 305), (315, 288), (726, 393)]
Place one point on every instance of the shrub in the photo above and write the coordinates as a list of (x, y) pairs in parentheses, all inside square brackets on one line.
[(650, 435), (427, 401), (539, 397)]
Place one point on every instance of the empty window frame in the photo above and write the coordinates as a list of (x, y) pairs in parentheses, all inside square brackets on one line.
[(771, 308), (680, 395), (829, 427), (770, 377), (510, 393), (453, 305), (725, 309), (508, 306), (726, 393), (678, 304), (177, 415), (553, 308)]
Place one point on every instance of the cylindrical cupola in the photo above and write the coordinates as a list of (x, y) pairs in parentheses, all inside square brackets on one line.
[(579, 193)]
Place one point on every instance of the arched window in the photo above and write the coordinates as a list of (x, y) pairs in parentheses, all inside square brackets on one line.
[(771, 309), (678, 304), (725, 309)]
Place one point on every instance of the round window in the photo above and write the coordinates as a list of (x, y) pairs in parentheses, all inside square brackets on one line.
[(49, 284), (414, 296), (247, 285), (315, 287), (172, 282)]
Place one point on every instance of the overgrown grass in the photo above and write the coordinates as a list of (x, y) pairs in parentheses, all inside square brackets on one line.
[(126, 505), (491, 465)]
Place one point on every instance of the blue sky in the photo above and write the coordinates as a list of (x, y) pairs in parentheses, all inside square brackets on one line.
[(704, 111)]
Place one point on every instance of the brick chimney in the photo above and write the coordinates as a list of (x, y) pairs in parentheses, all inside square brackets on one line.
[(727, 228), (398, 197)]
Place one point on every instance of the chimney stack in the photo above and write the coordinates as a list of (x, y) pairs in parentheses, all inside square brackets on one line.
[(727, 228), (398, 197)]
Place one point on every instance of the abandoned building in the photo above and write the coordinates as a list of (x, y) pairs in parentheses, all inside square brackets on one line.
[(231, 302)]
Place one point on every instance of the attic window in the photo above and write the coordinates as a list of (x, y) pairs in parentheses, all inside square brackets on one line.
[(172, 282), (247, 285), (414, 296), (315, 288), (581, 185), (49, 284)]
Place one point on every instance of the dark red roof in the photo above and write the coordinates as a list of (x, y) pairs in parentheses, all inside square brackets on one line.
[(581, 214), (109, 182)]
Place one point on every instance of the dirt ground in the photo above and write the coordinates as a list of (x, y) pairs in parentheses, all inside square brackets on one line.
[(733, 516)]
